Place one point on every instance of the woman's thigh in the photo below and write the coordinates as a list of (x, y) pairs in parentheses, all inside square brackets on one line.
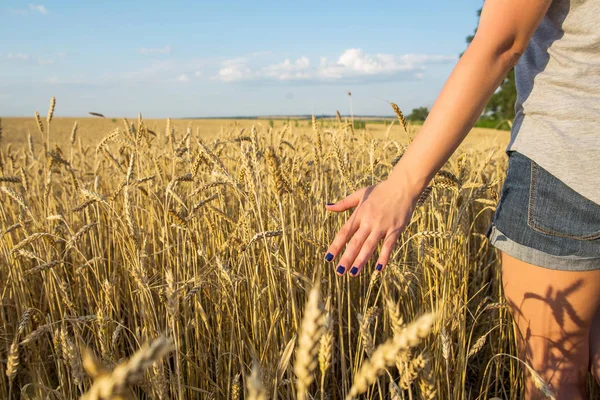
[(549, 236), (553, 311)]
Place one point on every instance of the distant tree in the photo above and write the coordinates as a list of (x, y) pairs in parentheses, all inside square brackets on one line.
[(502, 104), (418, 114), (358, 124)]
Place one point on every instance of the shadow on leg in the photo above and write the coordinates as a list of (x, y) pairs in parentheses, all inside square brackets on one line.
[(595, 348), (553, 312)]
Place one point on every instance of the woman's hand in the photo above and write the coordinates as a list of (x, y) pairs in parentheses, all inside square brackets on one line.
[(382, 212)]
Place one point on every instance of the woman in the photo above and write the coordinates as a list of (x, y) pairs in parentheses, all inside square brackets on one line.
[(547, 224)]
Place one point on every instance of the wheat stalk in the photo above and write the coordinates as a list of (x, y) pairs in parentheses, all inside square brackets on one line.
[(326, 346), (385, 355), (254, 385), (73, 136), (129, 216), (18, 198), (43, 267), (107, 139), (24, 321), (30, 144), (28, 240), (84, 205), (80, 233), (129, 176), (395, 392), (308, 343), (51, 110), (38, 121), (115, 383), (367, 338), (79, 256), (281, 183), (477, 346), (94, 195), (427, 383), (13, 361), (10, 179), (171, 294), (400, 116)]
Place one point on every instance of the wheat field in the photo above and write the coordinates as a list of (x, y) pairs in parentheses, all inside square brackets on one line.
[(185, 259)]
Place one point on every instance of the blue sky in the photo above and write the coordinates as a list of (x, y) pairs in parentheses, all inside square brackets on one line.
[(224, 58)]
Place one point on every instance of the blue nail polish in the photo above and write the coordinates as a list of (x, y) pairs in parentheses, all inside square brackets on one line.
[(379, 267), (340, 269), (354, 271), (329, 257)]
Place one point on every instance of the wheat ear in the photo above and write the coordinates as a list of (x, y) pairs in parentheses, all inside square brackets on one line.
[(400, 116), (108, 386), (385, 355), (308, 343), (13, 361), (256, 389)]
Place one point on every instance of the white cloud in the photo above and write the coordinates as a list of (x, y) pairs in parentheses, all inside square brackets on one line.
[(165, 69), (287, 70), (183, 78), (357, 63), (18, 57), (238, 70), (352, 64), (45, 61), (235, 70), (155, 50), (27, 59), (37, 8)]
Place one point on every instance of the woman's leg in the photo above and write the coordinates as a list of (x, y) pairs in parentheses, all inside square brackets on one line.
[(595, 347), (553, 311)]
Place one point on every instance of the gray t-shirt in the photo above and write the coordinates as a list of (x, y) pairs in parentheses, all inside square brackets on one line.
[(557, 121)]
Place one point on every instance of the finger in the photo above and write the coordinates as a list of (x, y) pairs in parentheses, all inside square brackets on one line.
[(347, 202), (367, 250), (386, 250), (352, 250), (349, 229)]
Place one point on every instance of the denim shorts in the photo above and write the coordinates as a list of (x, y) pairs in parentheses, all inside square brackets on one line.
[(542, 221)]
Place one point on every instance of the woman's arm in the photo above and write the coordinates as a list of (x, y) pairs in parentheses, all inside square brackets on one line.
[(504, 32), (505, 28)]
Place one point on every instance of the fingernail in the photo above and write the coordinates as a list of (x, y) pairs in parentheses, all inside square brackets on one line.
[(354, 271), (379, 267), (330, 204), (329, 257), (340, 269)]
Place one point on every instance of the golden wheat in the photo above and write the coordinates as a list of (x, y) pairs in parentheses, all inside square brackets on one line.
[(308, 343), (114, 384), (215, 241)]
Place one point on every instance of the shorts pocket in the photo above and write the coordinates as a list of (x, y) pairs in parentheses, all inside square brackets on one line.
[(556, 209)]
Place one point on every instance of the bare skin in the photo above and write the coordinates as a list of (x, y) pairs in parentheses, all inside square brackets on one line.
[(382, 211), (559, 350), (554, 312), (595, 347)]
